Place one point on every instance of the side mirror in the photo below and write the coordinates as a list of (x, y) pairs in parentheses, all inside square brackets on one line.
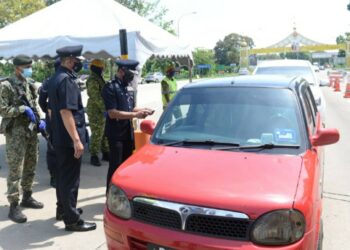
[(324, 83), (325, 136), (147, 126)]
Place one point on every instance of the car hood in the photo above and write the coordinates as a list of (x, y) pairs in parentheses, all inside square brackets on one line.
[(253, 183)]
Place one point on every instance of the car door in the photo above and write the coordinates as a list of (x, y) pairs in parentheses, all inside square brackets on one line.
[(313, 122)]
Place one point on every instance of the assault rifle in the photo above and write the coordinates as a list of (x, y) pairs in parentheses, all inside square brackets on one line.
[(23, 98)]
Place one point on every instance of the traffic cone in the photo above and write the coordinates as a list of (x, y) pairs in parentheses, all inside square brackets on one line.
[(337, 85), (347, 91)]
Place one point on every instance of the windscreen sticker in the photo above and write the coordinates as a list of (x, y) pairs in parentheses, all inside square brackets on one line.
[(285, 135)]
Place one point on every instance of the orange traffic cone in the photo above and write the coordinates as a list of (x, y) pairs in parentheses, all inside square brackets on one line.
[(347, 91), (337, 85)]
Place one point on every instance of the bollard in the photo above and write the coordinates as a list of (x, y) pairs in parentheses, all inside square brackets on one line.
[(140, 139)]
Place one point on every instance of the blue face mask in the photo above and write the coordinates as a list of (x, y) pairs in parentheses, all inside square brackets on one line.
[(27, 72)]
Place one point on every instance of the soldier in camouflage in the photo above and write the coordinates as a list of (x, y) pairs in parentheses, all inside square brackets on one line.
[(19, 124), (95, 111)]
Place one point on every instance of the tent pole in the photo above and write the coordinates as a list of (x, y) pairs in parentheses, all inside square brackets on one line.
[(189, 69)]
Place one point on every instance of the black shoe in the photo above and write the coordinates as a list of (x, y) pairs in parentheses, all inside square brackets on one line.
[(95, 161), (59, 215), (29, 202), (53, 182), (16, 214), (81, 226), (105, 156)]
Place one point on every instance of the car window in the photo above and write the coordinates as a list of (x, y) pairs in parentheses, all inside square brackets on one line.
[(234, 115), (309, 110), (303, 71)]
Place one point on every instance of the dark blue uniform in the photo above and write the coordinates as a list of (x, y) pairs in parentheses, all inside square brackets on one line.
[(64, 93), (120, 133), (50, 153)]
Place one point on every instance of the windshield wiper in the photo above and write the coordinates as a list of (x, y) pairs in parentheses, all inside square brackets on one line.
[(269, 146), (261, 146), (200, 142)]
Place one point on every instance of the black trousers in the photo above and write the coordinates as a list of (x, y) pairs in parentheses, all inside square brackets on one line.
[(51, 161), (119, 151), (68, 179)]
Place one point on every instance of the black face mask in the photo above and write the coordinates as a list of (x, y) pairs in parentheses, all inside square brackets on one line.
[(128, 77), (77, 67)]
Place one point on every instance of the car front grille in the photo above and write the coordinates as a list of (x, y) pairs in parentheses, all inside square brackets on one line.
[(157, 215), (218, 226), (203, 224)]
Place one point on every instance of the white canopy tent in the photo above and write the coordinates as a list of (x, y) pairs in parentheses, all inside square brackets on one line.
[(92, 23)]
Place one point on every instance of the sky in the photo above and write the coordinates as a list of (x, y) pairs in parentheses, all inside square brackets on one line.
[(265, 21)]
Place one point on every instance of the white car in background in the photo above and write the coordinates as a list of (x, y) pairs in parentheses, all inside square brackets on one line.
[(154, 77), (301, 68)]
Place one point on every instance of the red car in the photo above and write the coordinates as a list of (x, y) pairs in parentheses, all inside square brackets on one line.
[(233, 163)]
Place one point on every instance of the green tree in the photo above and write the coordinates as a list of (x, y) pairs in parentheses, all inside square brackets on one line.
[(152, 11), (227, 51), (204, 56), (341, 39), (13, 10)]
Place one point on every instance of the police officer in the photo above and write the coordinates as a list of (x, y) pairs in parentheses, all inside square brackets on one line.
[(19, 126), (95, 111), (68, 136), (43, 103), (169, 86), (120, 112)]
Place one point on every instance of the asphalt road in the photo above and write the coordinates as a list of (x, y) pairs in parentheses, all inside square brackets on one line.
[(43, 232), (336, 202)]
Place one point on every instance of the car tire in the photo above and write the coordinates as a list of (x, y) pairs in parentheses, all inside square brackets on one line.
[(320, 237)]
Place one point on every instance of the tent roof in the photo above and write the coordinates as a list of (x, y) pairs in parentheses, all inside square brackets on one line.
[(93, 23)]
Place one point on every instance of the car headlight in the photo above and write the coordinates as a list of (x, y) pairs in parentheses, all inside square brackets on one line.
[(281, 227), (118, 203)]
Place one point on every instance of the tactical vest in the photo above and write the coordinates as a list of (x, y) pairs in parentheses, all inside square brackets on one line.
[(14, 100), (171, 92)]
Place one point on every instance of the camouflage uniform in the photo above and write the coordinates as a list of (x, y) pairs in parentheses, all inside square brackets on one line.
[(95, 110), (21, 141)]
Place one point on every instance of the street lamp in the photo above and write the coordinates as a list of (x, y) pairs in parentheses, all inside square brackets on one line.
[(178, 21)]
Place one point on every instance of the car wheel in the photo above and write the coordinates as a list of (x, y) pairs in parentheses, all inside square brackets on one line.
[(320, 237)]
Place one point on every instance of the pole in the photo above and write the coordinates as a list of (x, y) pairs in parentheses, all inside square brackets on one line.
[(123, 44)]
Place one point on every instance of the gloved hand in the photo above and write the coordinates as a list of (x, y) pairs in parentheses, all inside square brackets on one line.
[(42, 125), (30, 114)]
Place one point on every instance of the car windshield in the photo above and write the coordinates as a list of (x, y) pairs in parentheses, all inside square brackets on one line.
[(302, 71), (232, 117)]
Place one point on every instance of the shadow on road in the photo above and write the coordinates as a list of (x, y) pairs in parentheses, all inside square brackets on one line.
[(38, 234)]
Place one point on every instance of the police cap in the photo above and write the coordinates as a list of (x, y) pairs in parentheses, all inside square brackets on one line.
[(22, 60), (127, 64), (70, 51)]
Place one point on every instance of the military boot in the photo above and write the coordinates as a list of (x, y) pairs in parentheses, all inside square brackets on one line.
[(95, 161), (105, 156), (29, 202), (16, 214)]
